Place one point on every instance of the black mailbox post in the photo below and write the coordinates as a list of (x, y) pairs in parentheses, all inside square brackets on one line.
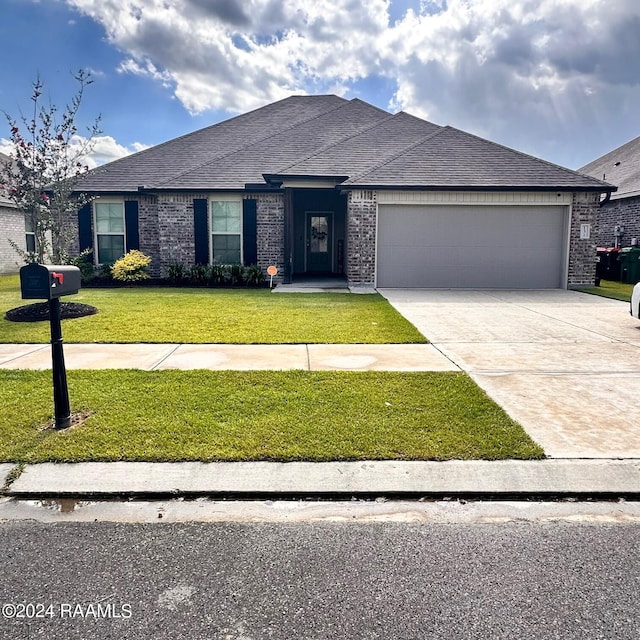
[(49, 282)]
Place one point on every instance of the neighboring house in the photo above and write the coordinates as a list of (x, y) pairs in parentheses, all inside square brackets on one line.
[(620, 216), (12, 227), (320, 185)]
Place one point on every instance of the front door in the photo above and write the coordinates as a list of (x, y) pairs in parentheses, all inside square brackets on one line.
[(319, 241)]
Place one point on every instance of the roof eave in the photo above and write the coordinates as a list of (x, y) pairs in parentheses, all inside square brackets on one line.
[(562, 188), (626, 194)]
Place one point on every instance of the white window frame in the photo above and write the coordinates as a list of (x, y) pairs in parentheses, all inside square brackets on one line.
[(224, 198), (96, 202), (28, 234)]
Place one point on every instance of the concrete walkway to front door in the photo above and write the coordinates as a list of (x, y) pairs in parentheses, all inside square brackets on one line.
[(566, 365)]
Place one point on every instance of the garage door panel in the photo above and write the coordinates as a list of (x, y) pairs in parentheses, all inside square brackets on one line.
[(470, 246)]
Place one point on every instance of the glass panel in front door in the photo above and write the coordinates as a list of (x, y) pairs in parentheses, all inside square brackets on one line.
[(319, 241)]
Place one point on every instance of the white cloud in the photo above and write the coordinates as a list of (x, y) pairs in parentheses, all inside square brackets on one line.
[(239, 55), (6, 147), (530, 73), (104, 149)]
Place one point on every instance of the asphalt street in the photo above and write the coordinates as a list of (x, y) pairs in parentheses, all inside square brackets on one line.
[(241, 581)]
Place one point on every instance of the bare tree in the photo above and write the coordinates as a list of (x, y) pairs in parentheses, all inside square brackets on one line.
[(47, 161)]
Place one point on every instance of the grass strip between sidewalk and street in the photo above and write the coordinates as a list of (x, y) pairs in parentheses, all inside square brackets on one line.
[(230, 316), (258, 415)]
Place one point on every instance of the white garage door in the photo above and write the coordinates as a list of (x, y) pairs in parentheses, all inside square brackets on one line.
[(495, 247)]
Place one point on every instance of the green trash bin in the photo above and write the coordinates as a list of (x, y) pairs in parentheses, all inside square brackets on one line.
[(629, 259)]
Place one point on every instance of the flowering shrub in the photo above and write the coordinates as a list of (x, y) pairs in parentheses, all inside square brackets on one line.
[(132, 267)]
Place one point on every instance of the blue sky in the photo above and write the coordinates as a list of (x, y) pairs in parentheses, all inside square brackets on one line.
[(559, 79)]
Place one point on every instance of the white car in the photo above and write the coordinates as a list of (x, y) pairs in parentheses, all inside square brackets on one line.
[(635, 302)]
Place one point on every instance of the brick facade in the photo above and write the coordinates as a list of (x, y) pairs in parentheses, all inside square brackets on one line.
[(624, 212), (12, 228), (175, 229), (585, 209), (166, 229), (362, 210)]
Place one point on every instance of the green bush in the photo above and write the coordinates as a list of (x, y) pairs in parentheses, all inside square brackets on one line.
[(104, 271), (198, 274), (253, 275), (83, 262), (132, 267), (216, 274), (235, 274), (177, 273)]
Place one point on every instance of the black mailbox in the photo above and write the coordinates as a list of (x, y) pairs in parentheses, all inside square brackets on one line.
[(48, 281)]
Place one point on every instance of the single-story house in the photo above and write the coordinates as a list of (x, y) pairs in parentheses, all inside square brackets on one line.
[(619, 216), (12, 228), (321, 185)]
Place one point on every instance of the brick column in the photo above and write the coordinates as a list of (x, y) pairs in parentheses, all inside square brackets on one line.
[(582, 253), (270, 230), (362, 212)]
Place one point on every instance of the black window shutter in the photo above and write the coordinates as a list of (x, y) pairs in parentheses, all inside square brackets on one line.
[(200, 231), (131, 224), (85, 233), (250, 231)]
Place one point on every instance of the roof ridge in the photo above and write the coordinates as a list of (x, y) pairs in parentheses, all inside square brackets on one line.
[(249, 144), (368, 104), (398, 154), (329, 145)]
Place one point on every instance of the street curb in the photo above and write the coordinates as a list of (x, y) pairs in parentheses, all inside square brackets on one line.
[(558, 478)]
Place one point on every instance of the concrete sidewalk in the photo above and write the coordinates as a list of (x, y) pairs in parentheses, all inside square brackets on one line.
[(219, 357), (456, 478)]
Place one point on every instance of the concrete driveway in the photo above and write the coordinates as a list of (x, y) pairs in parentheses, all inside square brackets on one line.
[(565, 365)]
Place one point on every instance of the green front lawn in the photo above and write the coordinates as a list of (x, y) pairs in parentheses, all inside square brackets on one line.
[(258, 415), (612, 289), (234, 316)]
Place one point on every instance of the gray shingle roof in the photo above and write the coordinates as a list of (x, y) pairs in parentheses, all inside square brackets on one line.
[(450, 158), (267, 155), (357, 153), (330, 136), (620, 167), (162, 163)]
